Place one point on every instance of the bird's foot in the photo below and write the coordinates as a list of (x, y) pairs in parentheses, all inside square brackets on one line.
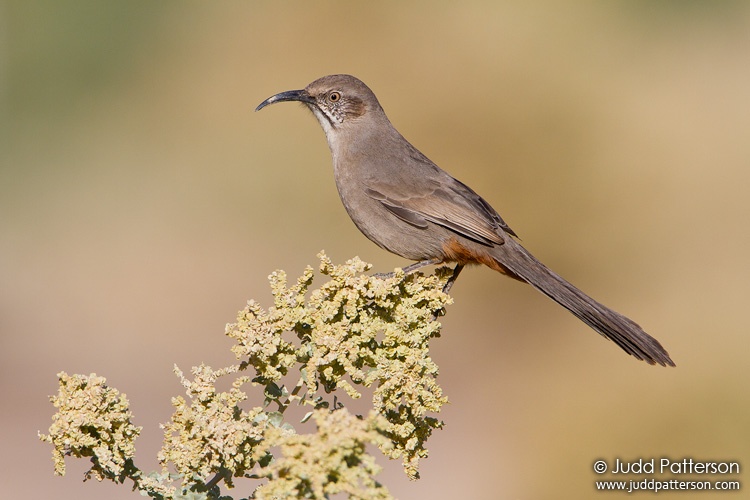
[(410, 268), (447, 287)]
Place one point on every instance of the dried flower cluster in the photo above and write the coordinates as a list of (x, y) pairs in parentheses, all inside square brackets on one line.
[(92, 420), (329, 462), (353, 333), (212, 432), (356, 330)]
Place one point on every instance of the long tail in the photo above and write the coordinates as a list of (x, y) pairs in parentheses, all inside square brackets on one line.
[(516, 261)]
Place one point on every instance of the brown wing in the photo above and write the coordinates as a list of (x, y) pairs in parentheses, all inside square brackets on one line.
[(448, 203)]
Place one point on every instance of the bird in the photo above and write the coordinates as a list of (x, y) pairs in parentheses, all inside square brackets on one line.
[(404, 203)]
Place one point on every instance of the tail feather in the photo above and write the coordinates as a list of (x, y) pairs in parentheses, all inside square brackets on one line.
[(518, 262)]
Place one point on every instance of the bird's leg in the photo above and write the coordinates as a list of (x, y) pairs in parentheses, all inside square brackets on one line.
[(410, 268), (447, 287), (449, 284), (421, 264)]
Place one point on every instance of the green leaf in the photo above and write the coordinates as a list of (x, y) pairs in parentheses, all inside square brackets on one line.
[(273, 391), (275, 418)]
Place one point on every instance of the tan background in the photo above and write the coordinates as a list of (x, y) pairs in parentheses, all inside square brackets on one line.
[(143, 202)]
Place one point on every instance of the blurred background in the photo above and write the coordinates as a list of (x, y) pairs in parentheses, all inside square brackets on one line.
[(142, 202)]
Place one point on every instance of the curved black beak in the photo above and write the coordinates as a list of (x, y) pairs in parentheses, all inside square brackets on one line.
[(289, 95)]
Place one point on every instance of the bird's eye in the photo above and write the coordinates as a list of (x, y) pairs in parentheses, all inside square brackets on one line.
[(334, 96)]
